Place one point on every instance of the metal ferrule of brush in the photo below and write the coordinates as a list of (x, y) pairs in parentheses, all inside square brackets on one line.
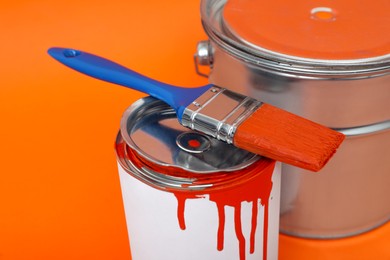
[(218, 112)]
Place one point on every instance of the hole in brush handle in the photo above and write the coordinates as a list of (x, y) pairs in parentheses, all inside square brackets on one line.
[(71, 53)]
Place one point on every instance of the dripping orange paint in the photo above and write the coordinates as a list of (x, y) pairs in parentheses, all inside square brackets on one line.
[(255, 190)]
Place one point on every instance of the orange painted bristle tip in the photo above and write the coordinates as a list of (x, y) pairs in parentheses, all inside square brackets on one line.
[(283, 136)]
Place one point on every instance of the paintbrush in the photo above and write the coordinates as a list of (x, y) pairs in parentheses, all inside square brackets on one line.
[(218, 112)]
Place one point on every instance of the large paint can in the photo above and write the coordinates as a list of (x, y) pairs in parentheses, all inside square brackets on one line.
[(188, 196), (328, 62)]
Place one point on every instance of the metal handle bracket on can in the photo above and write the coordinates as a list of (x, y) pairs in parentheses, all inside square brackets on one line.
[(203, 57)]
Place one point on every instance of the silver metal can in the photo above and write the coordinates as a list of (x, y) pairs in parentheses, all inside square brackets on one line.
[(348, 91), (188, 196)]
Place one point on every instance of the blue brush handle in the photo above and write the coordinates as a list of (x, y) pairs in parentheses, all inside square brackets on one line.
[(178, 98)]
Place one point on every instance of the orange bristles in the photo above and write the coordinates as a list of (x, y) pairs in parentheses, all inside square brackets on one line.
[(285, 137)]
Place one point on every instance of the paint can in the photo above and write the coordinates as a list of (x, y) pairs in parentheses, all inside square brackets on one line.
[(188, 196), (328, 62)]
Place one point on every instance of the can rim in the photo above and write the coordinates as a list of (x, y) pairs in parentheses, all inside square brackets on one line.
[(200, 183), (215, 29)]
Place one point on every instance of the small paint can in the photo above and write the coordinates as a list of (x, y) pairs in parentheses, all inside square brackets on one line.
[(188, 196), (328, 62)]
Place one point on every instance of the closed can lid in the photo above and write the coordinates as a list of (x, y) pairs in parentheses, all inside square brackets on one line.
[(153, 146), (327, 30), (305, 38)]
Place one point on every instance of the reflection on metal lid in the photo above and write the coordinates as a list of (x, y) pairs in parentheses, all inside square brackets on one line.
[(340, 30), (151, 128)]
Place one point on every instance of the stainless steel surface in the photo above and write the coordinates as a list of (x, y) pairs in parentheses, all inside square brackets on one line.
[(365, 129), (218, 112), (336, 103), (203, 53), (219, 32), (151, 131), (351, 194), (203, 57)]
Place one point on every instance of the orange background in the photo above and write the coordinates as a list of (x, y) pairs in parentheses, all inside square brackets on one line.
[(59, 190)]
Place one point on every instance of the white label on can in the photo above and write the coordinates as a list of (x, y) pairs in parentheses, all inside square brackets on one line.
[(163, 226)]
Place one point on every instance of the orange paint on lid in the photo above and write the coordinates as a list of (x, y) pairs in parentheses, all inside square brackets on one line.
[(329, 30), (194, 143)]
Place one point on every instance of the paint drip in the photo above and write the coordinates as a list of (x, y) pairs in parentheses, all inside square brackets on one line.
[(256, 191)]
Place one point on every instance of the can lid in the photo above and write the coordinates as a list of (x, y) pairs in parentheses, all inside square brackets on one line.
[(151, 129), (335, 30)]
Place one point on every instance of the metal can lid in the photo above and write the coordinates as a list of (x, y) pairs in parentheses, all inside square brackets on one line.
[(151, 129), (243, 30), (337, 30)]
